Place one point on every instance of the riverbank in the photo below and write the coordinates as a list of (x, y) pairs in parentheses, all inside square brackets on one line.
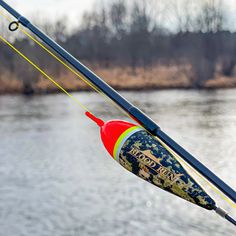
[(161, 77)]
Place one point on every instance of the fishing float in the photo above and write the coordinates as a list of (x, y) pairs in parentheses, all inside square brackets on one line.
[(142, 147)]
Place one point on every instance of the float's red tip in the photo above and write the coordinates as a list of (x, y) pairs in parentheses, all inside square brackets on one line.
[(111, 131), (98, 121)]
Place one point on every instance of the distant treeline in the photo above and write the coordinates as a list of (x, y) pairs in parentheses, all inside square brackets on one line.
[(135, 34)]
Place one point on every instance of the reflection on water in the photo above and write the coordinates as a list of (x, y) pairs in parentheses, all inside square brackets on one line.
[(56, 178)]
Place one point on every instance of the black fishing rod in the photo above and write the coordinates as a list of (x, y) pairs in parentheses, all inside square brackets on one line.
[(133, 111)]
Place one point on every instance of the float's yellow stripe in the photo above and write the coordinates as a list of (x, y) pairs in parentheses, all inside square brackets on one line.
[(43, 73), (121, 138)]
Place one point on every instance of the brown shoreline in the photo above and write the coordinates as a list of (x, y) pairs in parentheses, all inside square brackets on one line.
[(120, 78), (157, 88)]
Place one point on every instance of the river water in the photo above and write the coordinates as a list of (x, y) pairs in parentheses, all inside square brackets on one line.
[(57, 179)]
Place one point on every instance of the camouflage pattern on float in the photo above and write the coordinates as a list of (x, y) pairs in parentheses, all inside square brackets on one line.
[(145, 156)]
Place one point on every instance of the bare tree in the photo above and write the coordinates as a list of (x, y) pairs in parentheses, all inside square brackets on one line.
[(118, 16), (139, 35), (211, 18), (209, 21), (181, 14)]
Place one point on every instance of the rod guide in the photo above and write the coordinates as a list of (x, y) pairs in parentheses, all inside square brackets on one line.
[(13, 26)]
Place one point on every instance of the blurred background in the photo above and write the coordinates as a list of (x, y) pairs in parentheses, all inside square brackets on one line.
[(174, 59)]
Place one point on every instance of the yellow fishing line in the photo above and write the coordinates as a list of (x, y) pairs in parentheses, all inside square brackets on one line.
[(80, 76), (44, 73), (215, 189)]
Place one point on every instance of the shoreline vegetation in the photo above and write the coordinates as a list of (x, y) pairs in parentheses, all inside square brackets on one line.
[(132, 46), (120, 78)]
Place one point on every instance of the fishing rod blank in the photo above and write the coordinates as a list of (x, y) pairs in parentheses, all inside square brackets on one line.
[(138, 115), (143, 163)]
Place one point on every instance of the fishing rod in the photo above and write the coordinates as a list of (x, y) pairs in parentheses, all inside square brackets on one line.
[(150, 161)]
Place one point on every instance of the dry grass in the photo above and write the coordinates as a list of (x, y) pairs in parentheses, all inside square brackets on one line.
[(158, 77), (221, 82), (9, 84), (124, 78), (150, 78)]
